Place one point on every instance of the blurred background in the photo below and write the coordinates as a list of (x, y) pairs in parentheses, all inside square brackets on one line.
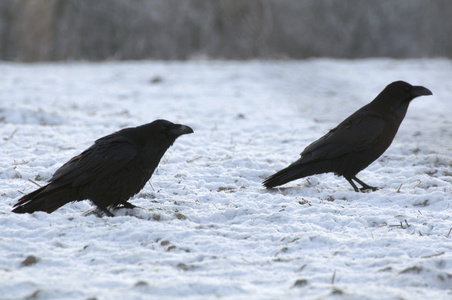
[(53, 30)]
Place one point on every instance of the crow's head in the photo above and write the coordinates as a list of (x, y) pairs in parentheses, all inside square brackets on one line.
[(396, 97), (400, 92), (159, 134)]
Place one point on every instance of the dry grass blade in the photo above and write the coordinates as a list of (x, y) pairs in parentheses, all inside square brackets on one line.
[(32, 181), (194, 159), (433, 255)]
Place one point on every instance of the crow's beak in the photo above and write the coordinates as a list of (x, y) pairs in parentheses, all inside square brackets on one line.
[(177, 130), (417, 91)]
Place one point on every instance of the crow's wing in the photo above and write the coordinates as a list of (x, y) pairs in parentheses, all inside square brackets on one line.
[(106, 157), (352, 135)]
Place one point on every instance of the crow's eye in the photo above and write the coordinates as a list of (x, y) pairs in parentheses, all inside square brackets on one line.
[(407, 89)]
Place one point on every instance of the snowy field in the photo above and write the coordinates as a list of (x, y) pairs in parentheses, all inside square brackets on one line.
[(206, 229)]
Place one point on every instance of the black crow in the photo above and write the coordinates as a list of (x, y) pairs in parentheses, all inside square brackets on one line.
[(109, 172), (357, 141)]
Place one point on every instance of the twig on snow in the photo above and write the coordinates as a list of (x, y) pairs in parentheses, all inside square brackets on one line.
[(32, 181), (11, 135), (194, 159), (433, 255), (151, 185), (450, 230)]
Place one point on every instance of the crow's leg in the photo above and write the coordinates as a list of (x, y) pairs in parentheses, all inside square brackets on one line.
[(364, 185), (353, 184), (101, 208), (106, 211), (126, 204), (99, 212)]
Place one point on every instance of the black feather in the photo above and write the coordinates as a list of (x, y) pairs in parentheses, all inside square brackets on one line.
[(357, 141), (109, 172)]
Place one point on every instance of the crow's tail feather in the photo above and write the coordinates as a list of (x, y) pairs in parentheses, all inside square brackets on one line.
[(290, 173), (40, 200)]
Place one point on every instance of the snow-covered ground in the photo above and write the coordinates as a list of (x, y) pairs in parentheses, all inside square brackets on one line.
[(206, 228)]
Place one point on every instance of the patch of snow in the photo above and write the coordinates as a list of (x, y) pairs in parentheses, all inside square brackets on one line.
[(206, 228)]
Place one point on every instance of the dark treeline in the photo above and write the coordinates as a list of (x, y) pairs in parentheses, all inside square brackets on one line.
[(42, 30)]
